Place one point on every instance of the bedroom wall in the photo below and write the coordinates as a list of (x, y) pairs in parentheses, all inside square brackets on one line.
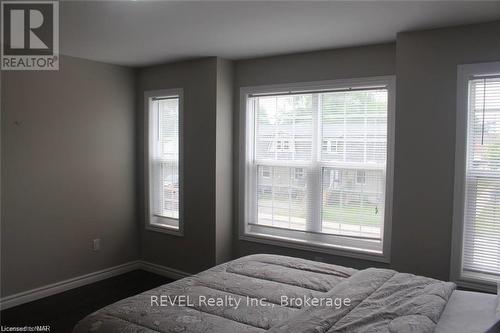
[(224, 185), (72, 156), (425, 140), (425, 64), (67, 168), (374, 60), (193, 251), (207, 239), (206, 129)]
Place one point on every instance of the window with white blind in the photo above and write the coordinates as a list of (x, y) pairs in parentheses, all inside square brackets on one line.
[(164, 177), (317, 166), (476, 248)]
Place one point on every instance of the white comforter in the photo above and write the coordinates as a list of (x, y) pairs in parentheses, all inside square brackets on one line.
[(255, 293)]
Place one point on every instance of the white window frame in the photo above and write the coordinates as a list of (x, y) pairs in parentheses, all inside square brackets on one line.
[(330, 244), (468, 280), (168, 225)]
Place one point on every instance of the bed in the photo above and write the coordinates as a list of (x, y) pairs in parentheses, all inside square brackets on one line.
[(269, 293)]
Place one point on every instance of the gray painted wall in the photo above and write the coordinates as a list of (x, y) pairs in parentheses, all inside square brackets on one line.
[(68, 164), (73, 158), (195, 251), (224, 215), (425, 140), (207, 90), (355, 62), (425, 64)]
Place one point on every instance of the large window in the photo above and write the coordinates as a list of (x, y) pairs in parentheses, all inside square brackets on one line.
[(316, 165), (476, 246), (164, 181)]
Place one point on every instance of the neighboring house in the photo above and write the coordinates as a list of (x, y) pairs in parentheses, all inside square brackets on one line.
[(353, 144), (341, 187)]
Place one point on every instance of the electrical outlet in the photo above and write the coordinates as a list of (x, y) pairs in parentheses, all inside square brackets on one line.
[(96, 244)]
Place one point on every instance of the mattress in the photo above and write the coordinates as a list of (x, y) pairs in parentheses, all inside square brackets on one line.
[(268, 293), (468, 312)]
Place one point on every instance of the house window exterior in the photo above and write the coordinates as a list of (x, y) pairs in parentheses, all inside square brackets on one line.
[(360, 177)]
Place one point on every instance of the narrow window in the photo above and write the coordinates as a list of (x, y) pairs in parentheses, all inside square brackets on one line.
[(476, 248), (164, 184)]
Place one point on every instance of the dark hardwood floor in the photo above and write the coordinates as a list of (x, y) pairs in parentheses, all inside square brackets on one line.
[(64, 310)]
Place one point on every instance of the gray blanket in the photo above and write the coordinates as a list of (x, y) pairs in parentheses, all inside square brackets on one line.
[(268, 293)]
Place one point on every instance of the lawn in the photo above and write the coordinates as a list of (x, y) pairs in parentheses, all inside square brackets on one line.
[(336, 214), (354, 215)]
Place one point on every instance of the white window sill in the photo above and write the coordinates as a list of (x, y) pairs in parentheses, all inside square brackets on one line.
[(166, 229), (478, 281), (314, 246)]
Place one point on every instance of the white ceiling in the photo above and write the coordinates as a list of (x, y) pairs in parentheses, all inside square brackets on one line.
[(138, 33)]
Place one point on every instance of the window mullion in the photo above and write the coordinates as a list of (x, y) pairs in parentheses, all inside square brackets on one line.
[(314, 174), (253, 166)]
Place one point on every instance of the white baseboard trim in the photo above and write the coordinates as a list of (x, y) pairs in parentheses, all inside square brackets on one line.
[(163, 270), (82, 280)]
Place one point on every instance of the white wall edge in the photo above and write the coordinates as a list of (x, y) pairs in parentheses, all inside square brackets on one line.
[(82, 280)]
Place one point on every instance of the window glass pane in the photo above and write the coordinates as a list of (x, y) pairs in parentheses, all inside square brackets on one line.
[(169, 194), (485, 124), (283, 127), (353, 202), (482, 230), (320, 162), (168, 128), (481, 250), (357, 120), (282, 197), (353, 198), (166, 202)]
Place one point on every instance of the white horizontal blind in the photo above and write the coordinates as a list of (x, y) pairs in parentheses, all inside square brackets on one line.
[(165, 164), (319, 161), (283, 155), (354, 131), (481, 247)]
